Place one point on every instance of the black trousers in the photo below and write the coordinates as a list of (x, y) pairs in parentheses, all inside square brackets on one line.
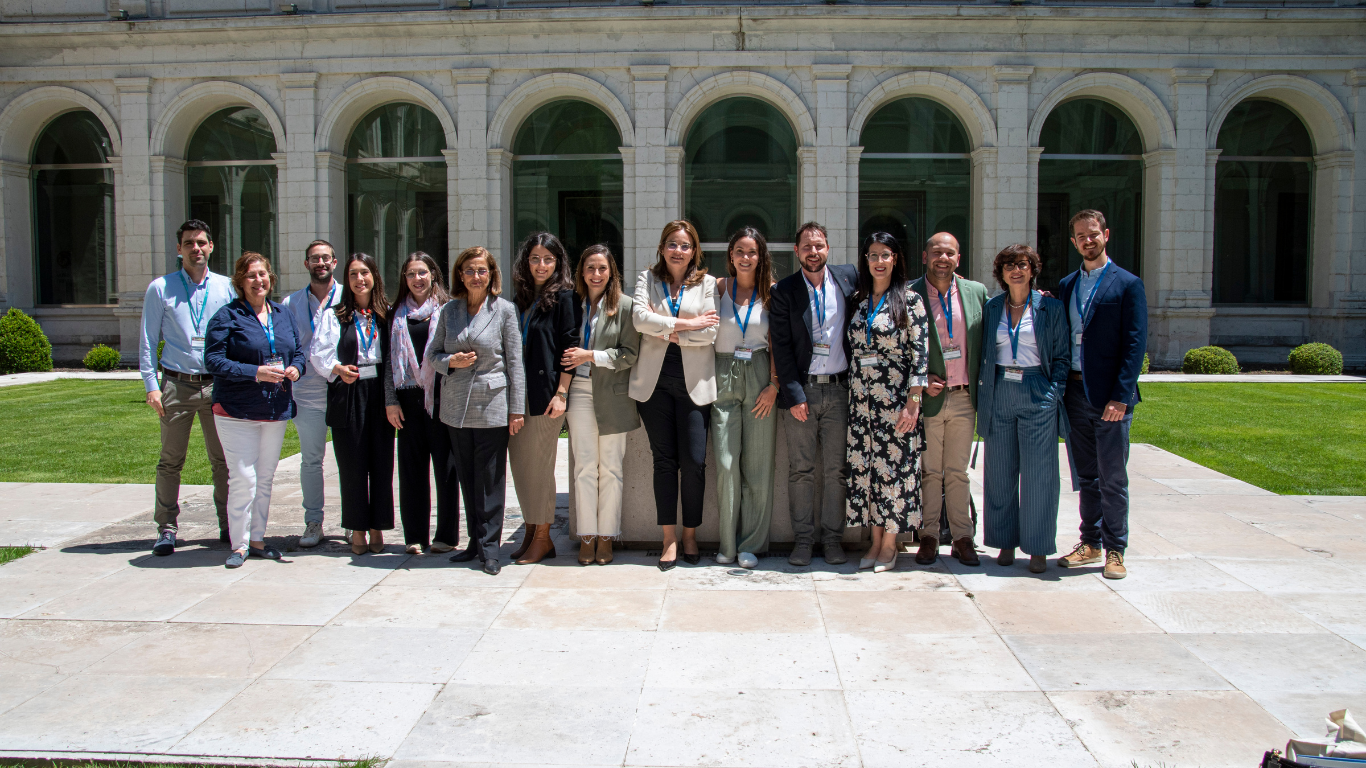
[(365, 471), (424, 442), (677, 428), (481, 457)]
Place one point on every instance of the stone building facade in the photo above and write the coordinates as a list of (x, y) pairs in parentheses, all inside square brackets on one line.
[(1227, 137)]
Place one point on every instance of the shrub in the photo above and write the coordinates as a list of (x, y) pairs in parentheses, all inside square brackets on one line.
[(1316, 360), (1209, 361), (1145, 364), (23, 346), (101, 358)]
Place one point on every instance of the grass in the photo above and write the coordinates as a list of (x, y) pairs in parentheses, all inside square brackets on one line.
[(1286, 438), (10, 554), (73, 431)]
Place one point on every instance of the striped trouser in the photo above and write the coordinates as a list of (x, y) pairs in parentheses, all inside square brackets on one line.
[(1021, 471)]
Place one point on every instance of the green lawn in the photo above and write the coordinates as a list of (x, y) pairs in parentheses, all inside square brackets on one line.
[(73, 431), (1286, 438)]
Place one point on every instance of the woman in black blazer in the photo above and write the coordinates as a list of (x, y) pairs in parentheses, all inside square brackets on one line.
[(544, 294)]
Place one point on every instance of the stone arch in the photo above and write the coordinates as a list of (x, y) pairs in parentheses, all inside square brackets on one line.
[(1142, 106), (192, 106), (541, 90), (741, 83), (952, 93), (358, 100), (24, 118), (1322, 114)]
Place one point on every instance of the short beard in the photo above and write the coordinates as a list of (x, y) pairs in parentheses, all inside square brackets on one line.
[(312, 278)]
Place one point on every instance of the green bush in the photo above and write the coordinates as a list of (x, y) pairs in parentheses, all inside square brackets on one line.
[(1145, 363), (23, 346), (1209, 361), (1316, 360), (101, 358)]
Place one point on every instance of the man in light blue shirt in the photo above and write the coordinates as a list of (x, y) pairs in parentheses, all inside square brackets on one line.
[(176, 310), (310, 392)]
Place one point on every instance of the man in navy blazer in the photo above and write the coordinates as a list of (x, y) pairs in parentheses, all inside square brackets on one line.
[(1109, 333)]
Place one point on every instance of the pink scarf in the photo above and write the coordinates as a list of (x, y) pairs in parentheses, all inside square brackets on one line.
[(403, 355)]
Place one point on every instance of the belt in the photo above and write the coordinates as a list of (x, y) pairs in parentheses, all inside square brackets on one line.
[(1074, 375), (188, 378), (828, 378), (955, 387)]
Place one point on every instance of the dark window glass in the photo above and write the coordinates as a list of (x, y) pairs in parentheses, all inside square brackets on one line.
[(1262, 207), (73, 213), (740, 169), (231, 182), (561, 181), (1070, 182), (397, 130)]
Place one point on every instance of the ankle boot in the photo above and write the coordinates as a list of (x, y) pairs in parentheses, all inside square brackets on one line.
[(604, 550), (540, 548), (527, 535), (586, 550)]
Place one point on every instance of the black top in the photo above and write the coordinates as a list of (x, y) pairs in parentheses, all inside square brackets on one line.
[(790, 324), (548, 335), (352, 405), (673, 362), (418, 331), (235, 346)]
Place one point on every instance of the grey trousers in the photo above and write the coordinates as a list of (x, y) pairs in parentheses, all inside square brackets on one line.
[(744, 446), (818, 472), (182, 401)]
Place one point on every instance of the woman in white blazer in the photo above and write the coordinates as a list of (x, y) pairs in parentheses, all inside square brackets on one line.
[(674, 380)]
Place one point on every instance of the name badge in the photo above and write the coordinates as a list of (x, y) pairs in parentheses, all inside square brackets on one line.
[(823, 350), (1078, 339), (369, 371), (197, 344), (868, 362), (1014, 374), (583, 370), (275, 362), (744, 353), (952, 353)]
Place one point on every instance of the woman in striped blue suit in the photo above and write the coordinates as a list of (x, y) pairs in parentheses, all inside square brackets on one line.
[(1025, 361)]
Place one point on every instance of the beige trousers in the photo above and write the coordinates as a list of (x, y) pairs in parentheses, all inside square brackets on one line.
[(531, 452), (598, 461), (944, 466)]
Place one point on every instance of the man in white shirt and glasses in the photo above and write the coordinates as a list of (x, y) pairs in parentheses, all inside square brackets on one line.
[(310, 392), (176, 310)]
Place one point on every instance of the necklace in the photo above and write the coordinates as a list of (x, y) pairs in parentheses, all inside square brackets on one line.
[(1017, 306)]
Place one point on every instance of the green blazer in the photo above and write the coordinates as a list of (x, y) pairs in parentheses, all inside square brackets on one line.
[(973, 296), (618, 337)]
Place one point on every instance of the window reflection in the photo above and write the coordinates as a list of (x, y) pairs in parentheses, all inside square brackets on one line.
[(73, 212)]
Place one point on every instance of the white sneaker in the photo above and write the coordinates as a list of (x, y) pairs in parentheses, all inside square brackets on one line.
[(748, 560), (313, 533), (724, 559)]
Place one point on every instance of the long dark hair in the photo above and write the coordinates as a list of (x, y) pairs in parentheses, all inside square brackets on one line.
[(524, 285), (379, 303), (763, 271), (696, 270), (896, 292), (611, 294), (438, 292)]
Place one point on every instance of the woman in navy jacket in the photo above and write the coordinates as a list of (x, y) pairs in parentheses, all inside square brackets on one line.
[(252, 350), (1025, 360)]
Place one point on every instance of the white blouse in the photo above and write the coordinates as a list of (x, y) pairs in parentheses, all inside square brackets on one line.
[(322, 354), (1028, 344), (729, 335)]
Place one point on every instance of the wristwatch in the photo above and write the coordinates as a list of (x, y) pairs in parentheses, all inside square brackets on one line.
[(915, 398)]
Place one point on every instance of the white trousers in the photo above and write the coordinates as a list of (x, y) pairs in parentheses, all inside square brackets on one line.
[(252, 451), (597, 465)]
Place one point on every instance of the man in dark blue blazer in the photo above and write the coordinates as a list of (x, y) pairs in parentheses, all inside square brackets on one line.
[(1109, 333)]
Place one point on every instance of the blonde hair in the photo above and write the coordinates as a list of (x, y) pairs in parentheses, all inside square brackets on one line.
[(695, 271)]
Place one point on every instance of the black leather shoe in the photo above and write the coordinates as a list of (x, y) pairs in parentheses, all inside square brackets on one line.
[(464, 556), (667, 565), (491, 567)]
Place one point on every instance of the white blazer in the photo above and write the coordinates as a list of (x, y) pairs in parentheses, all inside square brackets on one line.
[(650, 310)]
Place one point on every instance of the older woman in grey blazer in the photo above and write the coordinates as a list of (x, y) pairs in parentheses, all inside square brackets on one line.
[(478, 346)]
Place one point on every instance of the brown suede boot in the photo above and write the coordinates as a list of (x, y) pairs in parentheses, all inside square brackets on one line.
[(586, 550), (540, 548), (966, 551), (929, 550), (604, 550), (527, 536)]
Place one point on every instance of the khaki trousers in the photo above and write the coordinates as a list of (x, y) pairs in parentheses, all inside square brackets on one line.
[(181, 401), (531, 453), (944, 466), (598, 462)]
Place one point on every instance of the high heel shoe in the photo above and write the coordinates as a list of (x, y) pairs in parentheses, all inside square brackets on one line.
[(541, 547), (586, 550), (376, 541), (604, 554), (527, 535), (864, 563), (358, 546), (668, 565)]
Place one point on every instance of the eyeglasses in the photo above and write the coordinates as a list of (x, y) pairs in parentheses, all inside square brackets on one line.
[(680, 247), (540, 261), (1021, 266), (319, 259), (888, 256), (415, 274), (475, 273)]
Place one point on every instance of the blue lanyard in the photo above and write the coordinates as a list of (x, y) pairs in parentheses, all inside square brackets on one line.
[(1090, 297), (947, 306), (365, 341), (735, 308), (1015, 334), (195, 317), (820, 299), (874, 312), (331, 294), (526, 321), (669, 293), (587, 325), (270, 329)]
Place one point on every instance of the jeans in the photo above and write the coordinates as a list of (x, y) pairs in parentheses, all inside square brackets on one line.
[(311, 424), (818, 471), (1100, 456)]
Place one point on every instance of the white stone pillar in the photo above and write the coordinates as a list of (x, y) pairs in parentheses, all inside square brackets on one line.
[(330, 194), (1030, 234), (984, 223), (832, 159), (452, 208), (673, 207), (500, 204), (297, 186), (628, 202), (1016, 204), (1331, 266), (141, 254), (807, 192), (18, 282), (656, 171), (851, 216), (476, 218)]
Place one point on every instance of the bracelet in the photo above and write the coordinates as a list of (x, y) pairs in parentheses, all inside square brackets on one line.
[(565, 395)]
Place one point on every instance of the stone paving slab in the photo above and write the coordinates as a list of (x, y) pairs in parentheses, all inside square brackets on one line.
[(1240, 624)]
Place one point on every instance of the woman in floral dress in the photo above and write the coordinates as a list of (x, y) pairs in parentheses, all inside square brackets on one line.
[(888, 329)]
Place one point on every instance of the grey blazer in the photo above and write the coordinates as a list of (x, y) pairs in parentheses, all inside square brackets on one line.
[(618, 337), (484, 394)]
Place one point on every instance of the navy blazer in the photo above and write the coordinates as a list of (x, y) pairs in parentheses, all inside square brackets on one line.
[(1055, 356), (235, 345), (790, 325), (1115, 336)]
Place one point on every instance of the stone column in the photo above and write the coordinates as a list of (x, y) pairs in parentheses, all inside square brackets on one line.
[(1031, 232), (983, 249), (851, 216), (452, 208), (832, 159), (18, 283), (167, 204), (475, 224), (807, 186), (330, 196), (500, 206), (628, 202), (655, 172), (142, 254), (1016, 217), (297, 187), (1350, 303)]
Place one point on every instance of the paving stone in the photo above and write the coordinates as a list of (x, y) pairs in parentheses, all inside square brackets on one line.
[(1120, 662), (729, 611), (619, 609), (928, 663), (244, 603), (447, 607), (899, 613), (1013, 613), (1283, 663), (1307, 713), (568, 659), (377, 654), (1214, 612), (730, 661), (203, 650)]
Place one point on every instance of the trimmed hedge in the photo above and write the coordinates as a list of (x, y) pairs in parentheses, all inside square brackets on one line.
[(101, 358), (24, 347), (1316, 360), (1209, 361)]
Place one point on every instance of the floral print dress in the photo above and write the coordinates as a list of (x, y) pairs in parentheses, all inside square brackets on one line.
[(884, 480)]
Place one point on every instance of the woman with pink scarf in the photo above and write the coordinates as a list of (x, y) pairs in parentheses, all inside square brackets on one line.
[(412, 408)]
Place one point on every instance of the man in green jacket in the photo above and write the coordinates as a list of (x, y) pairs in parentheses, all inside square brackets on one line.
[(950, 406)]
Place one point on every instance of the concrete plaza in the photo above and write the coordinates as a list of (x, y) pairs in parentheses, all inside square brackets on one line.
[(1242, 622)]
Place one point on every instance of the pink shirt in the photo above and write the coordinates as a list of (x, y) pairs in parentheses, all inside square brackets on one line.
[(956, 371)]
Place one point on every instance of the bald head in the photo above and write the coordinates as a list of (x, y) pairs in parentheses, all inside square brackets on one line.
[(941, 258)]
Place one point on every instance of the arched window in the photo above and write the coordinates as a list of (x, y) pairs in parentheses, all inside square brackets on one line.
[(230, 177), (914, 177), (1262, 206), (73, 212), (396, 187), (740, 168), (1092, 158), (566, 177)]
